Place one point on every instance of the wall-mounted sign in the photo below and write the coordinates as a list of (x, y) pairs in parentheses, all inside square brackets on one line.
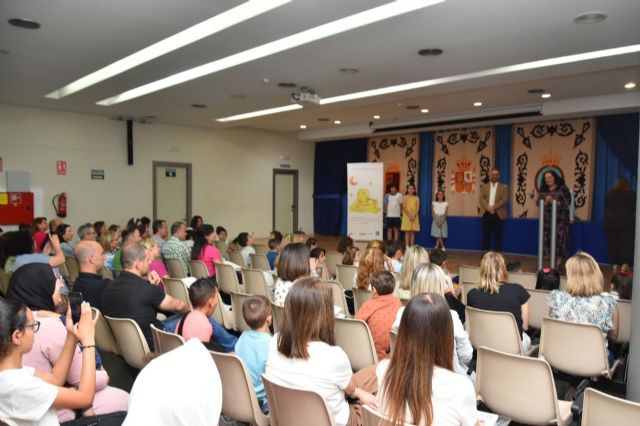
[(170, 172), (61, 167), (97, 174)]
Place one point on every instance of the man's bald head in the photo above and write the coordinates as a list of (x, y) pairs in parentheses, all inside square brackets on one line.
[(90, 256)]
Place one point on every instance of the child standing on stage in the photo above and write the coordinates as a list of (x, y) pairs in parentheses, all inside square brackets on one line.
[(393, 204), (410, 219), (439, 229)]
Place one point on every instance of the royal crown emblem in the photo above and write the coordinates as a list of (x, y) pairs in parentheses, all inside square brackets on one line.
[(550, 160)]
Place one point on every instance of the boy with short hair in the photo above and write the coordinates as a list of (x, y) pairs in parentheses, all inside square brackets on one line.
[(393, 208), (395, 252), (380, 312), (274, 249), (253, 345), (203, 294)]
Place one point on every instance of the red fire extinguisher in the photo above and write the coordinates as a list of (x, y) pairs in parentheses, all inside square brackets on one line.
[(61, 207)]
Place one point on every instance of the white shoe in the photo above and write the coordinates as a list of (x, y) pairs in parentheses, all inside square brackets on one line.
[(444, 249)]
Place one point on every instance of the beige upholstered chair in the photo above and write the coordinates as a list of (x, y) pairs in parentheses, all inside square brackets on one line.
[(237, 299), (360, 296), (339, 299), (469, 274), (495, 330), (72, 267), (261, 249), (175, 268), (371, 417), (133, 346), (346, 275), (236, 257), (222, 248), (602, 409), (227, 278), (525, 279), (105, 341), (333, 258), (577, 349), (354, 337), (624, 321), (520, 388), (538, 307), (239, 399), (260, 261), (177, 289), (255, 282), (198, 269), (289, 406), (277, 316), (165, 341)]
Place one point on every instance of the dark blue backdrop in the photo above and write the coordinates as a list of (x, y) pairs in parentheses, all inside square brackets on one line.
[(616, 155)]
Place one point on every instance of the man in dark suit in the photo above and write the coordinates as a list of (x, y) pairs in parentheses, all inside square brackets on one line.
[(493, 199)]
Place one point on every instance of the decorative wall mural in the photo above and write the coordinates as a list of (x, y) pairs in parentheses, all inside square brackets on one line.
[(565, 147), (462, 161), (400, 155)]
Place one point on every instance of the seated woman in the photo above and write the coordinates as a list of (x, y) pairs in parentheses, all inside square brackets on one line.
[(22, 246), (304, 353), (204, 248), (430, 278), (30, 396), (110, 242), (244, 240), (418, 385), (65, 235), (372, 262), (156, 265), (414, 256), (494, 293), (292, 264), (584, 300)]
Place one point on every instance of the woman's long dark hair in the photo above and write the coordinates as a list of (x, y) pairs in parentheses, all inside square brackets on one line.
[(13, 316), (200, 240), (559, 181)]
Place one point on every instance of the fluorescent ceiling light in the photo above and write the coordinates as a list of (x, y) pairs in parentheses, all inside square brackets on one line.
[(197, 32), (486, 73), (380, 13), (260, 113)]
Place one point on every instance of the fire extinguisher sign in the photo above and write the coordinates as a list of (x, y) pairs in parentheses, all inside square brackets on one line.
[(61, 167)]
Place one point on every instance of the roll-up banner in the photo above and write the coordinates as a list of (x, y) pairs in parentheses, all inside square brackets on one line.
[(365, 195)]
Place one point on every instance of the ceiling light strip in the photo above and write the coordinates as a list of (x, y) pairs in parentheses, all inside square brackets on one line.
[(380, 13), (259, 113), (195, 33)]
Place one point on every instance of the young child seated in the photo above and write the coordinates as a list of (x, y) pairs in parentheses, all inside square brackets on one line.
[(380, 312), (253, 345), (320, 256), (621, 284), (548, 279), (452, 294), (203, 294), (274, 246), (395, 252)]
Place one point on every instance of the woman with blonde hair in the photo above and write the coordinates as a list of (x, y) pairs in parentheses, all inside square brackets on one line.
[(494, 293), (413, 257), (110, 242), (372, 262), (584, 300), (418, 385), (156, 265), (430, 278)]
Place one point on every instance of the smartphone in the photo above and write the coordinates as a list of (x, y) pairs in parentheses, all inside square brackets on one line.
[(75, 303)]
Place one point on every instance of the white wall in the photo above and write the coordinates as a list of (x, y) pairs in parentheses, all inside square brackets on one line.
[(232, 169)]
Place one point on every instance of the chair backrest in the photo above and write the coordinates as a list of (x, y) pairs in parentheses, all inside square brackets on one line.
[(518, 387), (538, 307), (495, 330), (175, 288), (624, 321), (393, 336), (236, 257), (198, 269), (132, 343), (105, 273), (577, 349), (105, 341), (289, 406), (469, 274), (354, 337), (371, 417), (237, 299), (239, 399), (254, 282), (333, 258), (360, 296), (261, 249), (525, 279), (339, 299), (5, 277), (165, 341), (345, 275), (222, 247), (466, 287), (260, 261), (176, 270), (277, 316), (227, 278), (602, 409), (563, 283), (223, 316), (72, 267)]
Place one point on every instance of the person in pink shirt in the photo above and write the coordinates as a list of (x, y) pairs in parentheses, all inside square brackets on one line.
[(204, 248), (203, 294), (156, 264)]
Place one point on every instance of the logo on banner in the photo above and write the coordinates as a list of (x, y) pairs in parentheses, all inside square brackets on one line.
[(364, 203), (463, 178)]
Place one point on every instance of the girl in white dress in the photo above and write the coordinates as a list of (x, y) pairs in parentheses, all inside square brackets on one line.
[(439, 229)]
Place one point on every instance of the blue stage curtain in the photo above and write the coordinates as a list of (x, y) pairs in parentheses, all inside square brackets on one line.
[(425, 187), (504, 138), (616, 155), (330, 182)]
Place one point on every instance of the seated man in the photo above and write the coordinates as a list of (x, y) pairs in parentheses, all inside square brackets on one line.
[(90, 256), (132, 296), (130, 235), (175, 247)]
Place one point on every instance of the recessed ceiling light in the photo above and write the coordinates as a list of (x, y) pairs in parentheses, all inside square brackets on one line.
[(349, 70), (287, 84), (259, 113), (424, 110), (337, 122), (477, 104), (24, 23), (545, 95), (370, 16), (198, 106), (303, 126), (630, 85), (238, 96), (324, 119), (590, 18), (376, 117), (535, 91), (197, 32), (430, 52)]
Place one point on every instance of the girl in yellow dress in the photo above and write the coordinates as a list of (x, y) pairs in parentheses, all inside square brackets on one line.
[(410, 215)]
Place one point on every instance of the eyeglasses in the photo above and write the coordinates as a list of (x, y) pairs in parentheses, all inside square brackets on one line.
[(35, 325)]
